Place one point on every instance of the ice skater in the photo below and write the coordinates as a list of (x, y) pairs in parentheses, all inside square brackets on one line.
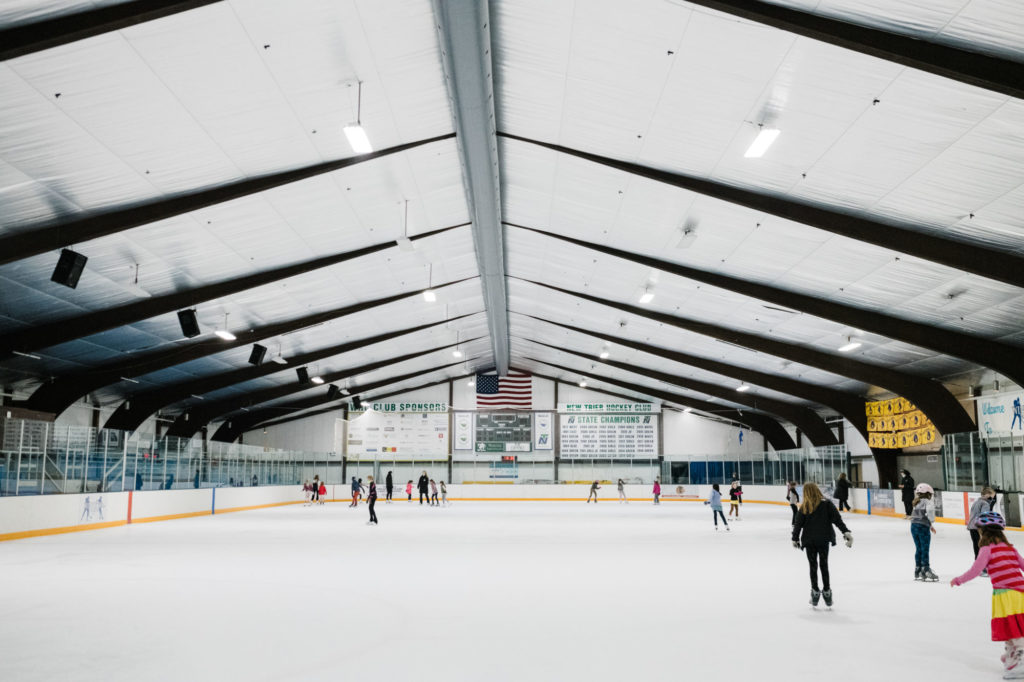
[(355, 492), (594, 487), (842, 493), (371, 498), (922, 526), (735, 493), (322, 492), (389, 486), (444, 495), (793, 497), (1003, 563), (715, 500), (622, 492), (307, 491), (408, 489), (813, 532), (433, 494), (985, 503), (315, 492), (907, 486), (657, 491), (422, 487)]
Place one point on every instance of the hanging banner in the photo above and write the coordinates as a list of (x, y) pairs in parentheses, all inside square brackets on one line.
[(1000, 415), (606, 408), (602, 436), (543, 435), (437, 406), (390, 435), (897, 423), (463, 431)]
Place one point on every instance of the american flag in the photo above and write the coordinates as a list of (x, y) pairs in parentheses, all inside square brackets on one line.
[(514, 391)]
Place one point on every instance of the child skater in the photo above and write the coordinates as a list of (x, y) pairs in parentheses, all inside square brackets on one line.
[(814, 520), (983, 504), (444, 494), (371, 498), (793, 497), (922, 523), (657, 491), (307, 490), (1004, 565), (622, 492), (322, 493), (734, 499), (408, 490), (715, 500), (433, 495)]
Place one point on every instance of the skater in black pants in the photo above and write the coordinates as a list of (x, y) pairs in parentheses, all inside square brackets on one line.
[(793, 497), (389, 486), (907, 486), (843, 492), (814, 520), (423, 487), (985, 503), (371, 497)]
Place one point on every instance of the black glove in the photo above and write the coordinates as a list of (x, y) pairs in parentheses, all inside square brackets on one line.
[(796, 544)]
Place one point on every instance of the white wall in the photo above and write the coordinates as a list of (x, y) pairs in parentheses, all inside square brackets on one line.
[(313, 434), (687, 434)]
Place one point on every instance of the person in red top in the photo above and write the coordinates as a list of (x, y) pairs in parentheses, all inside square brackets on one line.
[(1004, 565), (322, 493)]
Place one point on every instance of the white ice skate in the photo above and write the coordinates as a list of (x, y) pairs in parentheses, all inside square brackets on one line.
[(827, 595), (815, 596)]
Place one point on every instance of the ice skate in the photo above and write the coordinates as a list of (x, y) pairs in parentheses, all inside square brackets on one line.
[(827, 594), (1014, 665), (815, 596), (928, 576), (917, 573)]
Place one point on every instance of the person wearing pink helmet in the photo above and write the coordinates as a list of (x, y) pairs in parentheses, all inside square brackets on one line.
[(922, 526)]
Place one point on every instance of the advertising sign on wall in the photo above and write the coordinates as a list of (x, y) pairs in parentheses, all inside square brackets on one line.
[(604, 436), (1000, 415), (543, 434), (377, 434)]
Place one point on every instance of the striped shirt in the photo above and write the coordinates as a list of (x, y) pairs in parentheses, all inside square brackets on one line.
[(1004, 565)]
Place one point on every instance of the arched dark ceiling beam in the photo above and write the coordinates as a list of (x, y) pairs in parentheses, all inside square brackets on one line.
[(69, 329), (931, 397), (972, 68), (43, 35), (237, 424), (57, 395), (198, 416), (777, 436), (1009, 360), (803, 418), (978, 260), (31, 241), (848, 405), (133, 411)]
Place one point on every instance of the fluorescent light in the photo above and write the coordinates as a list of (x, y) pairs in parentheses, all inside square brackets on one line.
[(26, 355), (583, 383), (457, 353), (225, 334), (471, 382), (849, 346), (317, 380), (761, 143), (344, 391), (646, 297), (134, 381), (743, 388), (429, 296), (279, 359), (357, 139), (603, 355), (688, 409)]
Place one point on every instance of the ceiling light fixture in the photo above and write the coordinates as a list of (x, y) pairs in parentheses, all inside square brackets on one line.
[(764, 139), (404, 243), (583, 383), (428, 294), (647, 296), (742, 389), (26, 355), (604, 355), (224, 333), (849, 345), (317, 379), (354, 133), (688, 410)]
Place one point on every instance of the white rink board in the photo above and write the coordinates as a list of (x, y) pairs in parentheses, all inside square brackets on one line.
[(485, 590)]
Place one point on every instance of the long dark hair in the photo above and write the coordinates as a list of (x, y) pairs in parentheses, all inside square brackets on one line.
[(990, 535)]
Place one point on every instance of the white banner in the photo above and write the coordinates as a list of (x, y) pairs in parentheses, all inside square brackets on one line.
[(602, 436), (387, 435), (463, 431), (606, 408), (1000, 415), (543, 435)]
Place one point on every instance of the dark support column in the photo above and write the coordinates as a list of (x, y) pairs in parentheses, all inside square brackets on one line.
[(451, 427), (556, 442)]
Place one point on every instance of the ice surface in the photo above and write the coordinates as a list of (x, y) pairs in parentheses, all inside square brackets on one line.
[(486, 591)]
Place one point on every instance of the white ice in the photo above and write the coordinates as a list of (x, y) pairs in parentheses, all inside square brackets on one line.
[(486, 591)]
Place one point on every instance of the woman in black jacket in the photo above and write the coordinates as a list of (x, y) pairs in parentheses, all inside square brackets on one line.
[(843, 492), (907, 486), (389, 486), (814, 521), (423, 486)]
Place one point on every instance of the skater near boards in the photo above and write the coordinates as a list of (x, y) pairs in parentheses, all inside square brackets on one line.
[(1004, 565), (922, 527), (793, 497), (735, 497), (622, 492), (814, 533), (715, 500), (423, 486), (389, 487), (594, 487)]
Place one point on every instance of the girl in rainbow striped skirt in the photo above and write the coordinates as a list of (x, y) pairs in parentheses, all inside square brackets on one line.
[(1004, 566)]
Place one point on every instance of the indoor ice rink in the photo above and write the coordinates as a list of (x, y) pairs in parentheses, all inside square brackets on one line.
[(265, 264)]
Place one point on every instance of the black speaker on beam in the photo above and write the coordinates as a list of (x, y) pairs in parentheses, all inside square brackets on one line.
[(332, 392), (189, 323), (357, 404), (69, 268), (258, 353), (303, 375)]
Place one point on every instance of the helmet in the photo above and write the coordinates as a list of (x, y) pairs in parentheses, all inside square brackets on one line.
[(924, 488), (991, 519)]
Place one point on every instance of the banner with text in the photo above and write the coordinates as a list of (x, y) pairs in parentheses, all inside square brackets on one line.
[(609, 408), (463, 431), (382, 434), (1001, 414), (604, 436)]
